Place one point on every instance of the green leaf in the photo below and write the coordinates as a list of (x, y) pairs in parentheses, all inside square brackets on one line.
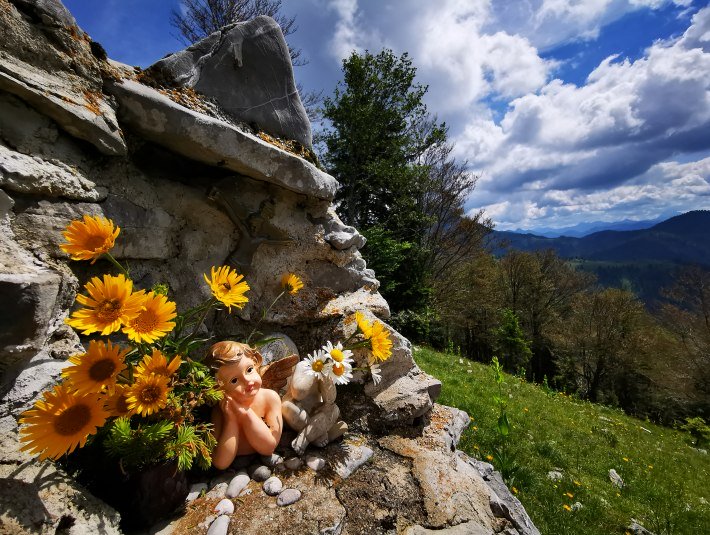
[(503, 425)]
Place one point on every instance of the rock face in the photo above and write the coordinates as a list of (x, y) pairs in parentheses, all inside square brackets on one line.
[(190, 190), (246, 68)]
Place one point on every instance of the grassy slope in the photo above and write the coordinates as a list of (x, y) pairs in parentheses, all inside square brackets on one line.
[(667, 482)]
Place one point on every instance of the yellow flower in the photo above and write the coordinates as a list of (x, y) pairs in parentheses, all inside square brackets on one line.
[(61, 422), (291, 283), (525, 409), (515, 491), (96, 369), (380, 341), (149, 394), (489, 457), (577, 483), (566, 507), (153, 322), (157, 363), (626, 459), (228, 287), (109, 304), (89, 239), (569, 494), (363, 325), (117, 403)]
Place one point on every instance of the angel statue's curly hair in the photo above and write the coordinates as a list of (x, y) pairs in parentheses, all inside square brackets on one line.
[(229, 352)]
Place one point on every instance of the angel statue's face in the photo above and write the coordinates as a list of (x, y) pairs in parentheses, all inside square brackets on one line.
[(240, 380)]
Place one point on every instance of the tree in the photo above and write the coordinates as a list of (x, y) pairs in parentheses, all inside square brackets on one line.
[(379, 131), (196, 19), (510, 343)]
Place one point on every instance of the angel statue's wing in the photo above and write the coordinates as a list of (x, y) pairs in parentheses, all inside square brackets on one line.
[(275, 374)]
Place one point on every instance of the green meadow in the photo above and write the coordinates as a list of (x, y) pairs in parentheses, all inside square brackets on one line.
[(666, 480)]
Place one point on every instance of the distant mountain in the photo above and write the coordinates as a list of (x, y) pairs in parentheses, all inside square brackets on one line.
[(642, 260), (584, 229)]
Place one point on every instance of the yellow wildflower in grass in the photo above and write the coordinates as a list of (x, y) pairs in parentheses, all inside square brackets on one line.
[(626, 459), (117, 403), (291, 283), (577, 483), (89, 239), (566, 507), (110, 303), (61, 422), (148, 394), (569, 494), (157, 363), (228, 287), (489, 457), (96, 369), (515, 491), (153, 322), (380, 341)]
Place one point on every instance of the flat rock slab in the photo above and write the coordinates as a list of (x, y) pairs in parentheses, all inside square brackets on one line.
[(215, 142)]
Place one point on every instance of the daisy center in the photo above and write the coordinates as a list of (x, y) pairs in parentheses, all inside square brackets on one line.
[(337, 355), (150, 394), (95, 242), (146, 322), (338, 369), (317, 366), (109, 310), (102, 369), (72, 420)]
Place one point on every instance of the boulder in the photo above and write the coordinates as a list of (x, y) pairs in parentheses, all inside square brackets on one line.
[(246, 68)]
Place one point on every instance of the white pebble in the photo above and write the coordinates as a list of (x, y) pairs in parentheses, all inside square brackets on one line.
[(273, 486), (225, 507), (219, 526), (237, 484), (314, 462), (288, 496), (195, 490)]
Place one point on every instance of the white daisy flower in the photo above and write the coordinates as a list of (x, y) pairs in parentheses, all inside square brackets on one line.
[(317, 364), (341, 372), (376, 373), (338, 353)]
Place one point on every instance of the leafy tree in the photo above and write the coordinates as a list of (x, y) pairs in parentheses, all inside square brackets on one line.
[(510, 342), (379, 131)]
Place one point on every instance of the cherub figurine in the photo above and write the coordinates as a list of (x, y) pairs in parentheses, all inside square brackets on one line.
[(248, 419), (308, 406)]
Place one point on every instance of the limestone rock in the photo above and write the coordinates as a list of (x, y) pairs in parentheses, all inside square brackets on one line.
[(220, 526), (282, 346), (196, 491), (224, 507), (52, 68), (237, 484), (615, 478), (342, 236), (215, 142), (38, 498), (246, 68), (355, 455), (272, 486), (288, 497)]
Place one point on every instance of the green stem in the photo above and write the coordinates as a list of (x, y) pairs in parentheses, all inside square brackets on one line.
[(115, 262), (208, 307), (263, 315)]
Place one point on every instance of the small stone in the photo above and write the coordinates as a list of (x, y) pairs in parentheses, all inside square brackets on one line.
[(195, 490), (554, 475), (205, 524), (218, 491), (224, 477), (314, 462), (576, 506), (288, 496), (273, 486), (245, 492), (224, 507), (237, 484), (293, 463), (616, 479), (220, 526), (261, 473), (271, 460)]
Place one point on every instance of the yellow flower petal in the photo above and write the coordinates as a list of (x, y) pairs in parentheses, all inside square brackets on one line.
[(90, 238), (228, 287)]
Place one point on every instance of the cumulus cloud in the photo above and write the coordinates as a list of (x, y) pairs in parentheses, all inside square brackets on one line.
[(599, 142)]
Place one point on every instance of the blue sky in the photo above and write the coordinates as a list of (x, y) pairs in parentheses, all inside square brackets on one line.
[(569, 110)]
